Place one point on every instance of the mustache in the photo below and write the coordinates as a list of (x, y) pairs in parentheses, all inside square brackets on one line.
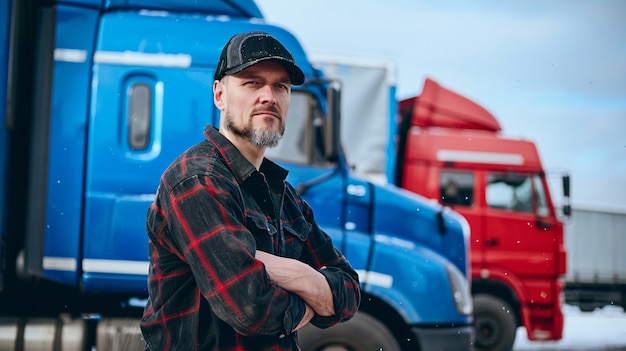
[(271, 109)]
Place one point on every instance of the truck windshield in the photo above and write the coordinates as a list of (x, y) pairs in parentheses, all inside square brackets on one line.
[(303, 142), (517, 192)]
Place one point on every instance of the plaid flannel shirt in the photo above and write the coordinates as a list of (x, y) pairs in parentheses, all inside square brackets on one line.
[(212, 211)]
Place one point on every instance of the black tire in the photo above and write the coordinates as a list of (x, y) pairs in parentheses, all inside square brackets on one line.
[(495, 324), (361, 333), (587, 307)]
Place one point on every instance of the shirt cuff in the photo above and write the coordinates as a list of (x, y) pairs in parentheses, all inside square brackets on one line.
[(293, 314)]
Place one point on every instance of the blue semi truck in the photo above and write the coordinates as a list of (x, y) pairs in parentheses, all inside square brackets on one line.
[(97, 97)]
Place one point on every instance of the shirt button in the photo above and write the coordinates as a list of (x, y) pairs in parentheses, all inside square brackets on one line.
[(281, 336)]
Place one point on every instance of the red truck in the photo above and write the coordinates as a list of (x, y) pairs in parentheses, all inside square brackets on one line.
[(450, 149)]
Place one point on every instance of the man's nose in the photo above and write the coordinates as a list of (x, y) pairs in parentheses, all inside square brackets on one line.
[(268, 95)]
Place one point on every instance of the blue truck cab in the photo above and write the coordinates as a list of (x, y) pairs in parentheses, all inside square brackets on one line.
[(101, 95)]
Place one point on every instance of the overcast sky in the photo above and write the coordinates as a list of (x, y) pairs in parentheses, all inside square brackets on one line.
[(551, 71)]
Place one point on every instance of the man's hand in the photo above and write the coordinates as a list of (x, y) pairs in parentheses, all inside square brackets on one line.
[(300, 279), (308, 315)]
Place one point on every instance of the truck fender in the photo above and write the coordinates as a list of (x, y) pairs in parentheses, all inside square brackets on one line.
[(511, 283), (411, 279)]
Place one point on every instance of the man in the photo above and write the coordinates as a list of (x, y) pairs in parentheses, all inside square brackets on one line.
[(237, 261)]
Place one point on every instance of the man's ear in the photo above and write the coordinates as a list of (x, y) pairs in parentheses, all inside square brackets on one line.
[(218, 94)]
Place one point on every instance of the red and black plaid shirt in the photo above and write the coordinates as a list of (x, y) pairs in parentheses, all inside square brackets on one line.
[(212, 211)]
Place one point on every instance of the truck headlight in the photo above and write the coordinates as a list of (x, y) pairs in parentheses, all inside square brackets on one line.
[(460, 290)]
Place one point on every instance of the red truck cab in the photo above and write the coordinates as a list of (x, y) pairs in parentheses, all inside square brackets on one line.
[(450, 149)]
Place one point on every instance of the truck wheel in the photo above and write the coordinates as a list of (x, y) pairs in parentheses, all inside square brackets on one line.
[(494, 324), (361, 333)]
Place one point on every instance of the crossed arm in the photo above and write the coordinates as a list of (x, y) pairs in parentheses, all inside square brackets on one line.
[(302, 280)]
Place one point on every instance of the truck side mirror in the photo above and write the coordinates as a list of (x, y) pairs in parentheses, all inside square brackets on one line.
[(332, 137), (567, 208)]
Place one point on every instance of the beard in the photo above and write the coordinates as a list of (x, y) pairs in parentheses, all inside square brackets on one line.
[(258, 137)]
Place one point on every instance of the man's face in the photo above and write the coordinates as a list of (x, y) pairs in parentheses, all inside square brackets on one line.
[(255, 102)]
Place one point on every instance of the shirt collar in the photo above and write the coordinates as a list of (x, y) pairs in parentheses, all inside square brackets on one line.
[(239, 165)]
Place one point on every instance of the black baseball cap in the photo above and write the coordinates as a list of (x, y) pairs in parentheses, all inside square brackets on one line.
[(246, 49)]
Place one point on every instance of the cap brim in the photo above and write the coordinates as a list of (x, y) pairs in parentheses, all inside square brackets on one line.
[(295, 73)]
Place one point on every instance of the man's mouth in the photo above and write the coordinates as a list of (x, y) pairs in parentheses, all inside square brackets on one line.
[(270, 112)]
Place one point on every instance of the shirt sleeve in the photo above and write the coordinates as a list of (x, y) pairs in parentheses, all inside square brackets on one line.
[(321, 254), (205, 220)]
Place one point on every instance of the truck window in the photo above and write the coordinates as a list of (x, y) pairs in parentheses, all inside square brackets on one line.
[(516, 192), (456, 188), (139, 115), (540, 194), (303, 142)]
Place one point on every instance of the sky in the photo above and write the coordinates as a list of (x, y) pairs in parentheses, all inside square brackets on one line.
[(553, 72)]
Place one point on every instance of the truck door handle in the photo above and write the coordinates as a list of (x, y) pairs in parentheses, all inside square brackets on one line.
[(491, 242)]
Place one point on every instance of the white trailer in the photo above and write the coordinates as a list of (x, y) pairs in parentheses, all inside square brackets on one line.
[(595, 240)]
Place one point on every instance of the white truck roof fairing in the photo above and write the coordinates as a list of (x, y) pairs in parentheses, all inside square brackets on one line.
[(368, 127)]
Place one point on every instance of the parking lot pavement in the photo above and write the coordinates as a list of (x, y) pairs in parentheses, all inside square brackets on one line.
[(601, 330)]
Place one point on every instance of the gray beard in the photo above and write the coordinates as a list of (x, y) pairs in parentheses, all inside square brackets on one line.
[(257, 137)]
